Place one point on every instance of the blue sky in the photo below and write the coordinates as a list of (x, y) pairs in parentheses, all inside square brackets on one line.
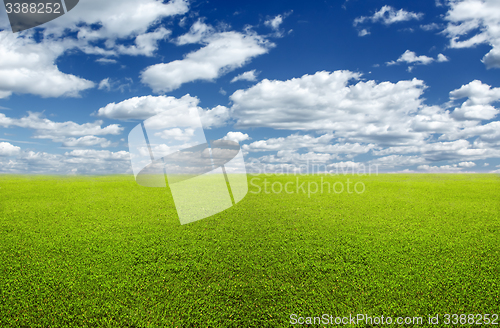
[(406, 86)]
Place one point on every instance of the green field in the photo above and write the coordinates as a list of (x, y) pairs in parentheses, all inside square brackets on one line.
[(106, 252)]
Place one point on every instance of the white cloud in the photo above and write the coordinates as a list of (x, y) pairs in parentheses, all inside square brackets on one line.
[(176, 133), (321, 144), (101, 154), (466, 129), (466, 164), (351, 149), (7, 149), (116, 20), (172, 110), (275, 22), (481, 18), (363, 32), (106, 61), (430, 27), (292, 142), (198, 32), (442, 58), (104, 84), (47, 129), (75, 162), (440, 169), (478, 105), (384, 119), (411, 57), (145, 44), (28, 67), (86, 141), (442, 151), (247, 76), (236, 136), (215, 117), (224, 52), (392, 161), (324, 101), (141, 108), (388, 15)]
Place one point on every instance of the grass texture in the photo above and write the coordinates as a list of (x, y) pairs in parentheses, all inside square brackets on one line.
[(106, 252)]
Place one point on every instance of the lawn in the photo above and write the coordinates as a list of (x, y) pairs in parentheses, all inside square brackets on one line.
[(106, 252)]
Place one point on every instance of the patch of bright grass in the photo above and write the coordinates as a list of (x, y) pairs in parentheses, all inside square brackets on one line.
[(106, 252)]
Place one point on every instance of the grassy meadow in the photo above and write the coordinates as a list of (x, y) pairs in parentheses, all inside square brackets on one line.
[(103, 251)]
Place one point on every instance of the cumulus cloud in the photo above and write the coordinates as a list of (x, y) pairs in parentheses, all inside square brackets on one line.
[(285, 157), (388, 15), (28, 63), (383, 113), (171, 109), (386, 120), (292, 142), (236, 136), (441, 58), (47, 129), (392, 161), (466, 164), (28, 67), (141, 108), (473, 22), (145, 44), (101, 154), (7, 149), (224, 52), (215, 117), (478, 105), (116, 21), (325, 101), (198, 32), (443, 151), (489, 132), (298, 149), (86, 141), (440, 169), (75, 162), (247, 76), (176, 134), (411, 57)]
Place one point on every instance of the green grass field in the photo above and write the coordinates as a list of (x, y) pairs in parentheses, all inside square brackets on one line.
[(106, 252)]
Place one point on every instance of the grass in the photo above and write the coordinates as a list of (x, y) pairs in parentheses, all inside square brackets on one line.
[(105, 252)]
